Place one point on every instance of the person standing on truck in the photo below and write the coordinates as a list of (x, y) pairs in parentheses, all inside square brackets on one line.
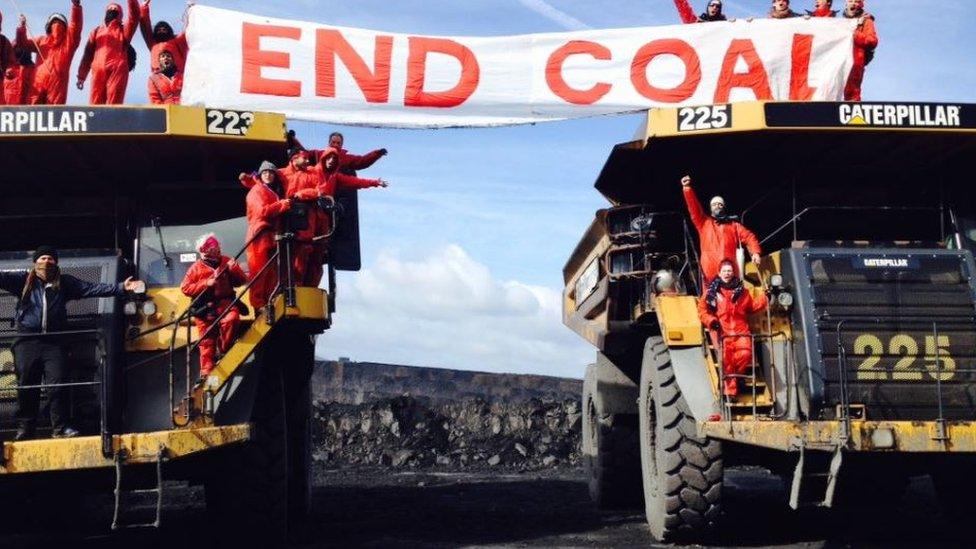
[(713, 12), (781, 10), (166, 84), (8, 59), (350, 163), (43, 293), (160, 37), (331, 165), (108, 56), (55, 50), (822, 8), (724, 310), (17, 80), (266, 203), (865, 42), (211, 282), (720, 234)]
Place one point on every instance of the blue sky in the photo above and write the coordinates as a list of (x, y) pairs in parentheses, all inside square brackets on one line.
[(463, 253)]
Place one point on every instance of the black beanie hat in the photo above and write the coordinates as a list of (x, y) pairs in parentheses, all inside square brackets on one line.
[(45, 250)]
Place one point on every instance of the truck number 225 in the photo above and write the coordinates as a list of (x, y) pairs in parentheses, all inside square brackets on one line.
[(906, 348)]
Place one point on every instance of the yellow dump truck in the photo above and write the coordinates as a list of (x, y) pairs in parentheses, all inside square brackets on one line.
[(127, 191), (863, 365)]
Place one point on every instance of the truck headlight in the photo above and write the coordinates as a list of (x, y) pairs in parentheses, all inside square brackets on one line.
[(149, 307), (785, 300), (130, 308), (776, 281)]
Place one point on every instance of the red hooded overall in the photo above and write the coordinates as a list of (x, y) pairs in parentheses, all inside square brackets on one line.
[(107, 56), (302, 184), (718, 240), (201, 277), (8, 61), (17, 80), (264, 210), (175, 44), (55, 49), (334, 179), (165, 90), (728, 308), (865, 41)]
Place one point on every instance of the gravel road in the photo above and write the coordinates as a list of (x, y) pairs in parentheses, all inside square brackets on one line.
[(371, 507)]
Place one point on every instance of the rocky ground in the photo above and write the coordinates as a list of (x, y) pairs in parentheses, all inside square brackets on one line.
[(472, 434)]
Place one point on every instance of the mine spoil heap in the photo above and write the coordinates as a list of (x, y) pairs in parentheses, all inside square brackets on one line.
[(409, 432)]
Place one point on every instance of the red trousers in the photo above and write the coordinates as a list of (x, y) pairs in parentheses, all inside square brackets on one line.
[(258, 255), (108, 84), (736, 359), (222, 337)]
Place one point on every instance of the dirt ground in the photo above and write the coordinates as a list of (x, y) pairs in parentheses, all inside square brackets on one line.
[(380, 508)]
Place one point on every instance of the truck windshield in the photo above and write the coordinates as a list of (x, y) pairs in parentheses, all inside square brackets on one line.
[(179, 243)]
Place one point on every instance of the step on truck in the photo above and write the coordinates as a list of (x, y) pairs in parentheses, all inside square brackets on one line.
[(864, 364), (127, 191)]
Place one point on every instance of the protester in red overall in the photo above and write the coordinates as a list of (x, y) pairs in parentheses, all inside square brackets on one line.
[(17, 80), (350, 163), (334, 179), (265, 206), (822, 8), (217, 276), (724, 310), (302, 179), (8, 60), (713, 12), (55, 50), (107, 56), (720, 234), (166, 84), (865, 42), (162, 37)]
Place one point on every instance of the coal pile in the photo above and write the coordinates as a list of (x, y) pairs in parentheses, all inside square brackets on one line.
[(408, 432)]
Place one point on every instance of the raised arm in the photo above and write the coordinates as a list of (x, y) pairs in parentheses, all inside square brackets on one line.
[(685, 11), (75, 23), (22, 40), (350, 182), (145, 25), (695, 210), (131, 20)]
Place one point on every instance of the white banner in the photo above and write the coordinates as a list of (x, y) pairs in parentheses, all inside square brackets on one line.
[(343, 75)]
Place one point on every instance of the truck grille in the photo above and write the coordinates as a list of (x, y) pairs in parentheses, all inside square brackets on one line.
[(897, 333)]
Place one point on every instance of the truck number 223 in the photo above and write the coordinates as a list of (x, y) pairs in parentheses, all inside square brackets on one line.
[(906, 349)]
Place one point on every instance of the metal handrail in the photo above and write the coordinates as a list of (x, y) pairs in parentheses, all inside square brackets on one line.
[(797, 216), (754, 365)]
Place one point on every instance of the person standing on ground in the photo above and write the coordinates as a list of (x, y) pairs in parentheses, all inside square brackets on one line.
[(43, 293), (720, 234)]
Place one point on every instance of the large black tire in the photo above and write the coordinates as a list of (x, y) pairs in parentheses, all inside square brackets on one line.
[(247, 492), (298, 406), (610, 451), (682, 472)]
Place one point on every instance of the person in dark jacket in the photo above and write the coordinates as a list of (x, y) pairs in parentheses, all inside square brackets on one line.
[(43, 294)]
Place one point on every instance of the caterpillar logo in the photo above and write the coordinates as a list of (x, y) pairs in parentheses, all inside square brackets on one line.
[(939, 116), (884, 262), (38, 121)]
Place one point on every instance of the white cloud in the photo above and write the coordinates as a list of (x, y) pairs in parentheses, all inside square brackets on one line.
[(554, 14), (447, 310)]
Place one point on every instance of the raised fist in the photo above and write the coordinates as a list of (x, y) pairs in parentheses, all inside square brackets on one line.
[(686, 181)]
